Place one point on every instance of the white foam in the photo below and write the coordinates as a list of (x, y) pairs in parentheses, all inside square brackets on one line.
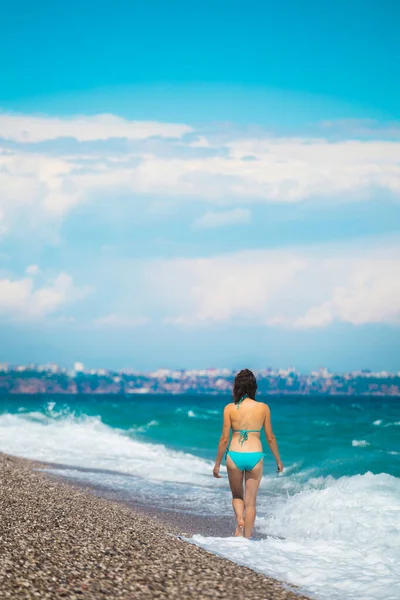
[(377, 422), (87, 442), (360, 443), (144, 428), (199, 415), (339, 542)]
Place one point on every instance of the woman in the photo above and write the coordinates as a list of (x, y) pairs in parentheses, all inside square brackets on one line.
[(245, 458)]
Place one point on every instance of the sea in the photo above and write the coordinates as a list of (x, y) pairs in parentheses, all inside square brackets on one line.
[(330, 523)]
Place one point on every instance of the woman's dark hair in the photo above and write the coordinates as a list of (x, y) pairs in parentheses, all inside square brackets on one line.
[(245, 383)]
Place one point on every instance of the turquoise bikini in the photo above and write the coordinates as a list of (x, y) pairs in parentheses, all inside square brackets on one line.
[(245, 461)]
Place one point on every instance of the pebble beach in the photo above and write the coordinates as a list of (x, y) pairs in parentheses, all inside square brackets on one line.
[(59, 541)]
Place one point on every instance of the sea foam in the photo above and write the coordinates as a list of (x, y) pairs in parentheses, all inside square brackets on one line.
[(360, 443), (337, 538), (339, 542), (87, 442)]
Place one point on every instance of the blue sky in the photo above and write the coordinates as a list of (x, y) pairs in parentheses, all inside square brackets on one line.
[(213, 184)]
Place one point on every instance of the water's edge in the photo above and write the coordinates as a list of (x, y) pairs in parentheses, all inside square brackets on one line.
[(186, 524), (52, 492), (182, 524)]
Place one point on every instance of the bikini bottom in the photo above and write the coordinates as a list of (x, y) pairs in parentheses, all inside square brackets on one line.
[(246, 461)]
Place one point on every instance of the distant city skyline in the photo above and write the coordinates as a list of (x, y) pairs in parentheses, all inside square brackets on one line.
[(51, 379), (79, 367), (186, 185)]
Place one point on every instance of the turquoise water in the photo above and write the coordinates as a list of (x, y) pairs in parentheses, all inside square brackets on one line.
[(329, 523), (332, 435)]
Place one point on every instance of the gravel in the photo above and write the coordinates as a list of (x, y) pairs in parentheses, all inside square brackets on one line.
[(58, 541)]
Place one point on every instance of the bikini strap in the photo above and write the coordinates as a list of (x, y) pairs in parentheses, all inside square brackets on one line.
[(243, 437), (241, 400), (251, 430), (244, 434)]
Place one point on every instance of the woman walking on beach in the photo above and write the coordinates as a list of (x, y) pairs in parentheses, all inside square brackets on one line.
[(245, 457)]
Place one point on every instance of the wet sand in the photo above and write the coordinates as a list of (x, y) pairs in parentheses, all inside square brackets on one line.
[(58, 540)]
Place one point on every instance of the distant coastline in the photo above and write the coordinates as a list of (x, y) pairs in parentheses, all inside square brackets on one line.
[(52, 379)]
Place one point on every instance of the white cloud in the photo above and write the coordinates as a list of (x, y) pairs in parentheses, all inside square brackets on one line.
[(365, 128), (38, 189), (212, 219), (300, 288), (369, 293), (26, 128), (284, 171), (22, 299), (242, 285), (2, 224), (290, 170), (114, 320), (32, 270), (200, 142)]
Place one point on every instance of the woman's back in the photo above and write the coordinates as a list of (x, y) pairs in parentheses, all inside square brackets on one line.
[(249, 415)]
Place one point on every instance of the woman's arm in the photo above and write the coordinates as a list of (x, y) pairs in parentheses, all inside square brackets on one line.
[(223, 441), (269, 434)]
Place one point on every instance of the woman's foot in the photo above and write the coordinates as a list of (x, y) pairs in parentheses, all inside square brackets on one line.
[(240, 528)]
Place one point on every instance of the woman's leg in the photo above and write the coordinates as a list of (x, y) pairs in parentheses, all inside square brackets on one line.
[(235, 477), (253, 479)]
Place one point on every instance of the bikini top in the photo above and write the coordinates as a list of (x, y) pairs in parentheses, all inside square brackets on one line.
[(243, 437)]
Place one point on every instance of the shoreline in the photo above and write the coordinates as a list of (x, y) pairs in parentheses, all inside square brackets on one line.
[(186, 523), (61, 539)]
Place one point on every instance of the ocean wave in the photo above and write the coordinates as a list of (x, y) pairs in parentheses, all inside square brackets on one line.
[(144, 428), (197, 415), (390, 424), (325, 541), (84, 441), (360, 443)]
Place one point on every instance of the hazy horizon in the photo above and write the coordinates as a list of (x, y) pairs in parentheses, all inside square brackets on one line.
[(69, 368)]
